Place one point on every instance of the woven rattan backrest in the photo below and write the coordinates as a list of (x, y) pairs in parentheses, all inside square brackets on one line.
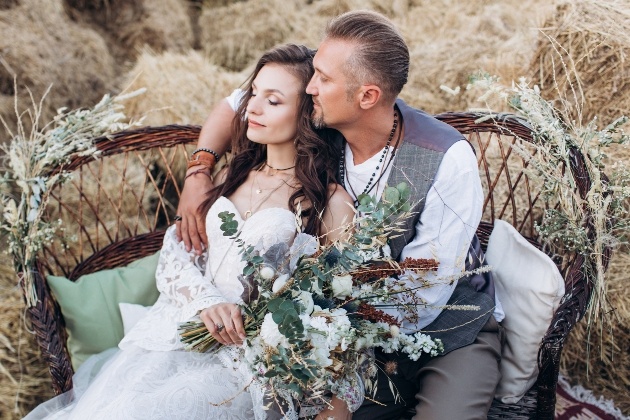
[(117, 200), (510, 194)]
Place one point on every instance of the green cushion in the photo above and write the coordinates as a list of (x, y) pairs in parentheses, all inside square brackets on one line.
[(90, 305)]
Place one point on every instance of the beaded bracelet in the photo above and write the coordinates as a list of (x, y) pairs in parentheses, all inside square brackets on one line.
[(204, 171), (203, 149)]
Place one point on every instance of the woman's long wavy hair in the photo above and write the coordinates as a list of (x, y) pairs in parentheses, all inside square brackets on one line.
[(316, 156)]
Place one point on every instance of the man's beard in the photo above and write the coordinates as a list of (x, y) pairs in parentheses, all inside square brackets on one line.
[(317, 119)]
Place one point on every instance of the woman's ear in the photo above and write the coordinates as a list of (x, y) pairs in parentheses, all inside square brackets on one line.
[(369, 96)]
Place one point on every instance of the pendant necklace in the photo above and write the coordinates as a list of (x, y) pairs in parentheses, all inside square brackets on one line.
[(369, 186), (259, 190)]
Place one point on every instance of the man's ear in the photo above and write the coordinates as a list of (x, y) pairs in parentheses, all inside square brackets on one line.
[(369, 96)]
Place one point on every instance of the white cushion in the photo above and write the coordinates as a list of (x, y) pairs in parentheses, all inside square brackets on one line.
[(530, 287), (131, 313)]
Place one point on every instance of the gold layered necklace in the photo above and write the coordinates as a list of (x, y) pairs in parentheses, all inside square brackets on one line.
[(254, 206)]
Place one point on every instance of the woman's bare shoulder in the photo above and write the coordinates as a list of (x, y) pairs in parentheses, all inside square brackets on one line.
[(337, 195)]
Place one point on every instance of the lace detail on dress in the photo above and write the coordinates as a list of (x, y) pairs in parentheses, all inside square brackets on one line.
[(189, 283)]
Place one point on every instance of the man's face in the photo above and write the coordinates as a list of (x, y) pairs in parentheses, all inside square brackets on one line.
[(334, 106)]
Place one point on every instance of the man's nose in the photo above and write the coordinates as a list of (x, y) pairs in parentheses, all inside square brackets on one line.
[(311, 88)]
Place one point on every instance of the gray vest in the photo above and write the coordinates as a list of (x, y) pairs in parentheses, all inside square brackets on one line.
[(416, 163)]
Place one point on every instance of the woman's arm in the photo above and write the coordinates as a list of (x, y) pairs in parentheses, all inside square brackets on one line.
[(180, 276), (337, 224), (337, 220), (215, 135)]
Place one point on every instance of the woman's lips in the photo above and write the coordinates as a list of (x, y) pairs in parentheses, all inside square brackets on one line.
[(254, 124)]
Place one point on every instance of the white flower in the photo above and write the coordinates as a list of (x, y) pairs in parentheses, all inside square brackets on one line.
[(360, 343), (342, 286), (279, 283), (306, 300), (321, 356), (387, 251), (270, 334), (394, 330), (267, 272)]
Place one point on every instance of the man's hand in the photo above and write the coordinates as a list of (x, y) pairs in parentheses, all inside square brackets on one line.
[(225, 323), (215, 135), (192, 226)]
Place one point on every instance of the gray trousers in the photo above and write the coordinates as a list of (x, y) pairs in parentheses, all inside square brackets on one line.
[(457, 386)]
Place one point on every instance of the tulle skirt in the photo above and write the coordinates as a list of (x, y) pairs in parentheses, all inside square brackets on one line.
[(141, 384)]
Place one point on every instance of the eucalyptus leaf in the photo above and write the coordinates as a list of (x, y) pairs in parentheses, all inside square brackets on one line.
[(391, 195), (274, 304), (278, 317)]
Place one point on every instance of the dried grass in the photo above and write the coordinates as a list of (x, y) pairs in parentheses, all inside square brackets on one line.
[(7, 4), (40, 46), (129, 25), (581, 55), (608, 361), (234, 35), (181, 88), (447, 44)]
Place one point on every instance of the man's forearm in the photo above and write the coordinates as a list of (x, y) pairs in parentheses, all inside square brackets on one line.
[(216, 130), (214, 140)]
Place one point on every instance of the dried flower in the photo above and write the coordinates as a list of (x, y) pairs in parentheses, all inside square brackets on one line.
[(36, 165), (391, 367)]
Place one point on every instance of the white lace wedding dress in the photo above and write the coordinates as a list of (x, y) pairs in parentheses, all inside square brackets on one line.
[(151, 376)]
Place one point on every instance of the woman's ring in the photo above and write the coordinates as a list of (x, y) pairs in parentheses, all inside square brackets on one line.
[(220, 327), (177, 218)]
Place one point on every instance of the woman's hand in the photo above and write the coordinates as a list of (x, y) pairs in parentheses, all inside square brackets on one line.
[(225, 323), (338, 411)]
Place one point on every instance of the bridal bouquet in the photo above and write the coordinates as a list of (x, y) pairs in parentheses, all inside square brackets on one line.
[(311, 311)]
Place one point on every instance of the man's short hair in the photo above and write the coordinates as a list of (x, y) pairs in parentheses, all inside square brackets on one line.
[(381, 56)]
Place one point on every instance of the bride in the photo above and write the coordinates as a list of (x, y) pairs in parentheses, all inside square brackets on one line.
[(280, 166)]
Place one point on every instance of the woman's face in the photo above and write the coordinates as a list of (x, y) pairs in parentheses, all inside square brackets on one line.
[(272, 110)]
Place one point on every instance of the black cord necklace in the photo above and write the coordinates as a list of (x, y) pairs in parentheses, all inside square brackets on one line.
[(278, 169), (369, 187)]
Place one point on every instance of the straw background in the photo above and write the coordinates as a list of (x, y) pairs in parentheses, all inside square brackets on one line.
[(191, 53)]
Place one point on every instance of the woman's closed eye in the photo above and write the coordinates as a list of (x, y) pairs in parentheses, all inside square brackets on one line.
[(271, 101)]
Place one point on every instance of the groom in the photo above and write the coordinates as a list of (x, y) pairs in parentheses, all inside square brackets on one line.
[(360, 68)]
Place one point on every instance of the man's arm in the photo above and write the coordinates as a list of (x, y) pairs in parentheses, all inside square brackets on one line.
[(215, 135)]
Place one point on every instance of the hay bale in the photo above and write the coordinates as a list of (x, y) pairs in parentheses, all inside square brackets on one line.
[(181, 88), (235, 35), (599, 360), (581, 57), (40, 47), (128, 26), (7, 4), (447, 45)]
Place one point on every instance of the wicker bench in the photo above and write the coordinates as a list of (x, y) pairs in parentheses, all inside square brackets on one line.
[(118, 206)]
